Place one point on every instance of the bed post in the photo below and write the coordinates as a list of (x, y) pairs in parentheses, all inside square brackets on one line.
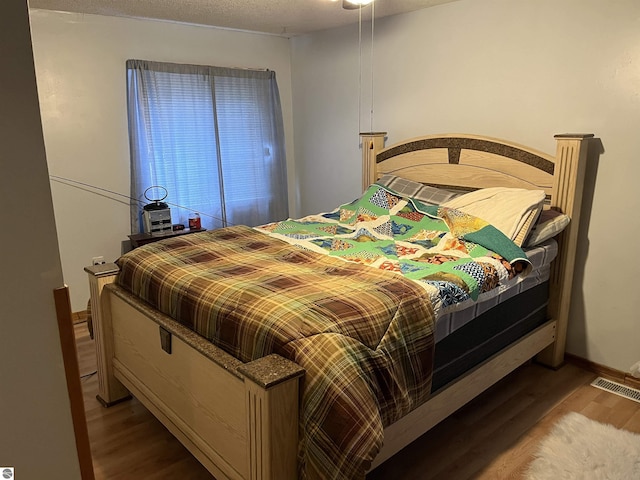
[(569, 172), (372, 143), (110, 390), (272, 395)]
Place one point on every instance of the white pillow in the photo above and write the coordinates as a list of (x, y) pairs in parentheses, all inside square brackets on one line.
[(513, 211)]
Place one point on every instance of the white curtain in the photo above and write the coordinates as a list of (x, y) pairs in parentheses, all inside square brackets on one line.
[(212, 137)]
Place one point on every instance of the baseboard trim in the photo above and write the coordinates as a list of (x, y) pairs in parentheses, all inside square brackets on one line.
[(604, 371)]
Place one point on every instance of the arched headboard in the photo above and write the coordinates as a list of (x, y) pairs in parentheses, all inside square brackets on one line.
[(469, 162)]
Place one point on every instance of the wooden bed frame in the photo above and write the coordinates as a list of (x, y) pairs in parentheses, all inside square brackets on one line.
[(240, 420)]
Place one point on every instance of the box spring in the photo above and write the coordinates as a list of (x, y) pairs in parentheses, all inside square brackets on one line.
[(488, 333)]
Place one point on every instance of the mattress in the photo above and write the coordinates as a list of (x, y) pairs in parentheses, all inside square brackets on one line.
[(456, 316), (468, 336), (489, 333)]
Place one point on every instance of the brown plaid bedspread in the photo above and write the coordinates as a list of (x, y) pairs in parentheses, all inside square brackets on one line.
[(363, 335)]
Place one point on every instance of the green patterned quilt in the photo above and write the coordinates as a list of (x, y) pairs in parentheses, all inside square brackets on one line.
[(454, 256)]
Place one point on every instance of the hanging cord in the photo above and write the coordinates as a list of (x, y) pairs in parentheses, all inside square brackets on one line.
[(371, 111), (78, 184), (359, 69), (373, 15)]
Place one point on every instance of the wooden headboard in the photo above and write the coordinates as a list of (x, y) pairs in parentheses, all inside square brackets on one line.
[(469, 162)]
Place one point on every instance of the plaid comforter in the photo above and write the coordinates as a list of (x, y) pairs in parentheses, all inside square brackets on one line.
[(362, 334)]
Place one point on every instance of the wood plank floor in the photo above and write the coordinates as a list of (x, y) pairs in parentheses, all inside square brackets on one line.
[(492, 437)]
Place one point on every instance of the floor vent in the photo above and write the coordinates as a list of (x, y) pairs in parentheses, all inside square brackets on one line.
[(617, 388)]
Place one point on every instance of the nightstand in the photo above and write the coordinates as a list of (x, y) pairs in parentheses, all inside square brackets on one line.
[(139, 239)]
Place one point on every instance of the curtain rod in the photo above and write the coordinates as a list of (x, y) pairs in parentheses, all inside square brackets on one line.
[(157, 62)]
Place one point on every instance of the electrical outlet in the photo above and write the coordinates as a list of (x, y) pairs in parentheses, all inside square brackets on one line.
[(97, 260)]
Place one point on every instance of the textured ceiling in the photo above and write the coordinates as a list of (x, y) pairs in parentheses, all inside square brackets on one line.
[(280, 17)]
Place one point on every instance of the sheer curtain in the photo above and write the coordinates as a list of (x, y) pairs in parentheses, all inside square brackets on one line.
[(212, 137)]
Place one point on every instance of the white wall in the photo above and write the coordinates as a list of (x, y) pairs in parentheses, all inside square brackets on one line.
[(521, 70), (80, 67), (37, 437)]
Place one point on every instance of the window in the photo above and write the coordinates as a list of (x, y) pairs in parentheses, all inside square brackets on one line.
[(212, 137)]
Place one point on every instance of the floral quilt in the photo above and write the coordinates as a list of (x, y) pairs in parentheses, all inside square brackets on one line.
[(454, 256)]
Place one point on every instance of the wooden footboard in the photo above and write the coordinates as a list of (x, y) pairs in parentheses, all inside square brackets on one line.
[(239, 420)]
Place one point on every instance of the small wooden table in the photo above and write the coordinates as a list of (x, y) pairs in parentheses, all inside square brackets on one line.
[(139, 239)]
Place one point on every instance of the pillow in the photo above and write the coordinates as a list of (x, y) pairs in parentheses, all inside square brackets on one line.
[(423, 193), (513, 211), (549, 224)]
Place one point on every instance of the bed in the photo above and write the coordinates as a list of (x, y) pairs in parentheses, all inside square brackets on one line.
[(240, 417)]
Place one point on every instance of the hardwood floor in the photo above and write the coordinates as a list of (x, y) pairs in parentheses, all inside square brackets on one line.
[(495, 435), (492, 437)]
